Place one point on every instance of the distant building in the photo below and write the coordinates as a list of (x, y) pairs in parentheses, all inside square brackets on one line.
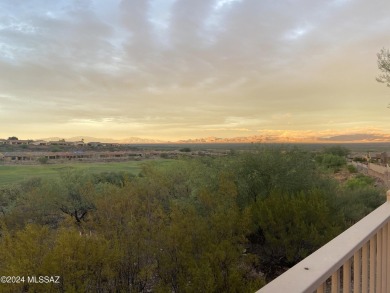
[(60, 142), (78, 143), (94, 144), (39, 142), (18, 141)]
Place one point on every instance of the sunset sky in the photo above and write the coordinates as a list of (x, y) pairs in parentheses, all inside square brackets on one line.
[(180, 69)]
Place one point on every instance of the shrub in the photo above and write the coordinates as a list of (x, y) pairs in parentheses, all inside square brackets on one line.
[(352, 169), (185, 150), (43, 160)]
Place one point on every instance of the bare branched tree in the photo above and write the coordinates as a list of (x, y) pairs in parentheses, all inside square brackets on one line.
[(384, 66)]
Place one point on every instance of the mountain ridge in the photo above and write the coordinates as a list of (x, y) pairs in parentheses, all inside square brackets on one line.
[(356, 137)]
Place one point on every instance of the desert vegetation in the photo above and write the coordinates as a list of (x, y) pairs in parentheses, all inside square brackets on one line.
[(207, 224)]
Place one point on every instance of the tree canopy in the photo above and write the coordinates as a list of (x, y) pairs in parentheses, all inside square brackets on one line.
[(225, 224)]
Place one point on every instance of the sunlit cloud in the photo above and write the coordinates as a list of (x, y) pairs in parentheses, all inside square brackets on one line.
[(223, 3), (182, 69), (299, 31), (159, 15), (340, 2)]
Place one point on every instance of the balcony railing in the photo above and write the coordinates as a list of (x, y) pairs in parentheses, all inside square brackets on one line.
[(358, 260)]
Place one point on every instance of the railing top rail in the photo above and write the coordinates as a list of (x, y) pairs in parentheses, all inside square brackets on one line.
[(315, 269)]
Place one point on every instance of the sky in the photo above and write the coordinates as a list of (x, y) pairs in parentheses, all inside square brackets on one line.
[(179, 69)]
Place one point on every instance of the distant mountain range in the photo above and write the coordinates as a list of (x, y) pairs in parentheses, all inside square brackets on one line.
[(139, 140), (363, 137), (357, 137), (130, 140), (213, 139)]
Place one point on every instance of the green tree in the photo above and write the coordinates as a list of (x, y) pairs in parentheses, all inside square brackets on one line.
[(23, 253), (202, 245), (84, 262), (31, 202), (331, 161), (132, 218), (336, 150), (357, 199), (8, 198), (360, 181), (259, 173), (288, 227), (74, 194)]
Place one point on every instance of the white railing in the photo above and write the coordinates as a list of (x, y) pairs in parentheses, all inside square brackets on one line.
[(358, 260)]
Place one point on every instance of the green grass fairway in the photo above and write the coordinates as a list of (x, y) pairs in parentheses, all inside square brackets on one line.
[(10, 174)]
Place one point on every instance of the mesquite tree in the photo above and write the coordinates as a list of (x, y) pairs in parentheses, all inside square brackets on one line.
[(384, 66)]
